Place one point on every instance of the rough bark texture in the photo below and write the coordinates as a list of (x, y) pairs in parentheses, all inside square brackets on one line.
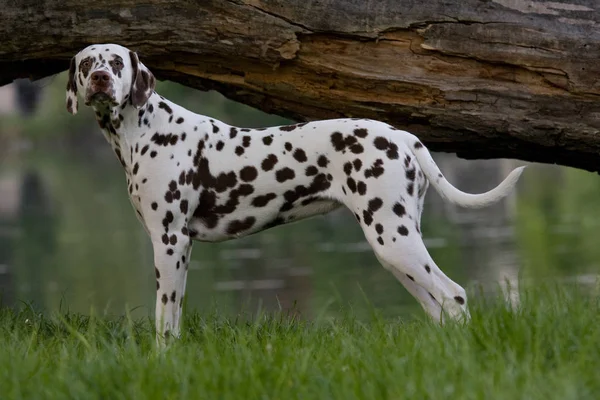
[(483, 78)]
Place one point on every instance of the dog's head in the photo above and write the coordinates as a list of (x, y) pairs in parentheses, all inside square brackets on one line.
[(106, 76)]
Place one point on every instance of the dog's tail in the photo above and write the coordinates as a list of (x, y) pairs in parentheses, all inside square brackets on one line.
[(452, 194)]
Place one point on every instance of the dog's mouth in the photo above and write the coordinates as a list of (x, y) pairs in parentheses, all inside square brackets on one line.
[(100, 97)]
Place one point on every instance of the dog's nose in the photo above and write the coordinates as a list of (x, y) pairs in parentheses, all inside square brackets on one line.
[(100, 77)]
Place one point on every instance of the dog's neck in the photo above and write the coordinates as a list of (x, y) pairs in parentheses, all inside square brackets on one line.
[(123, 124)]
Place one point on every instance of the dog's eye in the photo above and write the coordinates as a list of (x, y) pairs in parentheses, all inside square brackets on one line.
[(85, 63), (117, 63)]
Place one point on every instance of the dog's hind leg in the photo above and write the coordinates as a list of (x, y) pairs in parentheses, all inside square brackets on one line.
[(431, 306), (411, 264), (400, 249)]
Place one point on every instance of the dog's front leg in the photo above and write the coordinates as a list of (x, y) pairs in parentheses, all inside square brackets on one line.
[(171, 258)]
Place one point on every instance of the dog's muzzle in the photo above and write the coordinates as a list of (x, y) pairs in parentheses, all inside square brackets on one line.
[(100, 89)]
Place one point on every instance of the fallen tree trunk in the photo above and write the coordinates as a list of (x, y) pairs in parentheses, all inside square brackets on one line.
[(482, 78)]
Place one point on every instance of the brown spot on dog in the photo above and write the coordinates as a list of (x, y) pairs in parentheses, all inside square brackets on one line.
[(167, 220), (403, 230), (284, 174), (261, 201), (399, 210), (367, 218), (164, 140), (287, 128), (86, 65), (381, 143), (337, 140), (357, 148), (361, 188), (348, 168), (319, 184), (375, 204), (267, 140), (165, 107), (248, 174), (322, 161), (392, 152), (300, 155), (311, 170), (351, 185), (269, 162), (238, 226), (340, 143), (360, 132), (391, 148), (183, 206), (376, 169)]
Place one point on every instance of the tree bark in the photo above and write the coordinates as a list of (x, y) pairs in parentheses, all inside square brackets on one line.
[(482, 78)]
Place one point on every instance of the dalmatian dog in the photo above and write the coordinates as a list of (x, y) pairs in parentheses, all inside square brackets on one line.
[(192, 177)]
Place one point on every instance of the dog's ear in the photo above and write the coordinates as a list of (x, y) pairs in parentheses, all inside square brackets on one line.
[(72, 89), (142, 84)]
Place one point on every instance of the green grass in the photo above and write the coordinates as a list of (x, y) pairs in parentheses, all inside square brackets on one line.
[(547, 349)]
